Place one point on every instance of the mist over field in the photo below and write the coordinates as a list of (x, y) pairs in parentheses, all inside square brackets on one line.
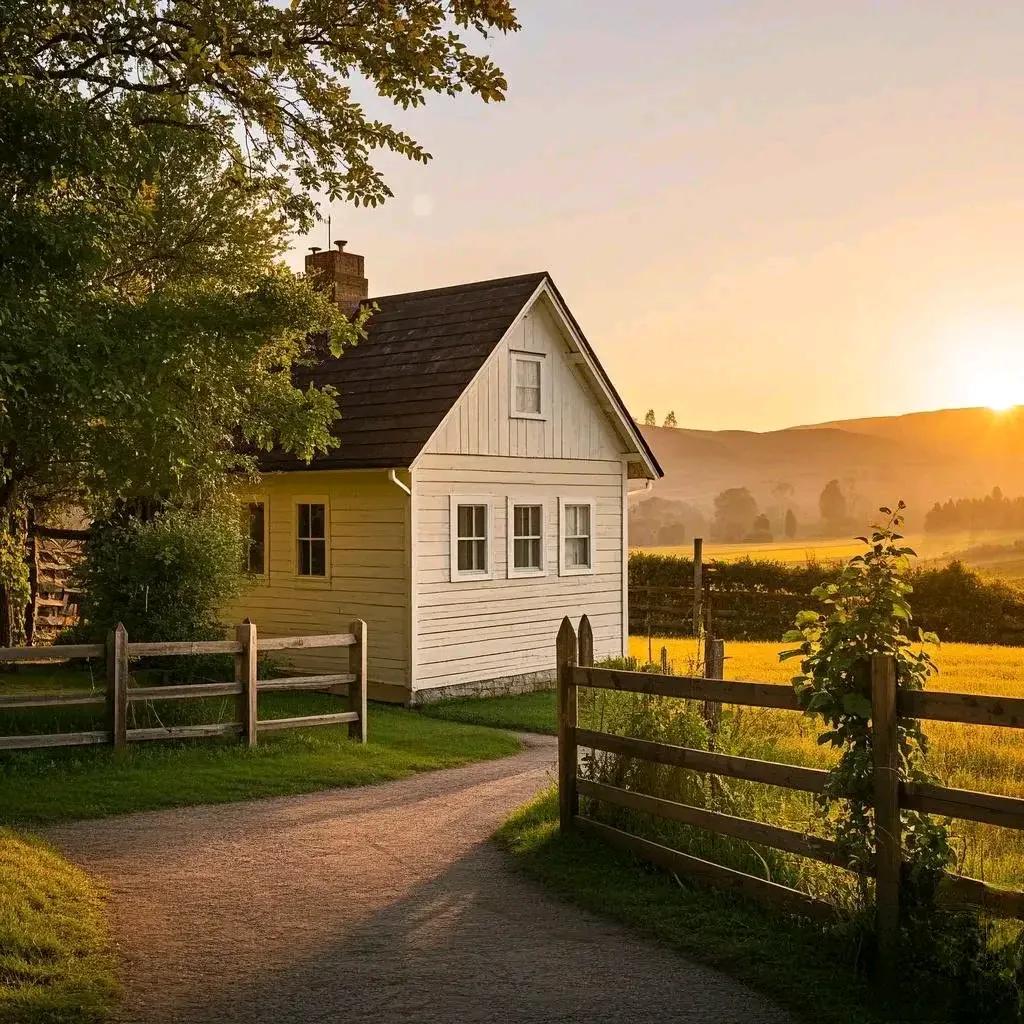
[(922, 458)]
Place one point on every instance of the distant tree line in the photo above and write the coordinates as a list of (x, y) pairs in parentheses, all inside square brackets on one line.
[(993, 512)]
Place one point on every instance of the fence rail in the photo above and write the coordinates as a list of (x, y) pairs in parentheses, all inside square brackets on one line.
[(120, 694), (576, 670)]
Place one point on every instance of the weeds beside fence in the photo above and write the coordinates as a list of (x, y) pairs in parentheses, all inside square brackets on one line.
[(576, 671), (120, 694)]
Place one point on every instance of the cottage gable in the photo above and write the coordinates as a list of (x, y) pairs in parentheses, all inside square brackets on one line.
[(570, 423)]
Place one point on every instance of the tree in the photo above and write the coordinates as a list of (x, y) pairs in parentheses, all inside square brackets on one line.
[(670, 420), (790, 524), (761, 531), (735, 509), (832, 504), (650, 420), (146, 319), (277, 76), (154, 155)]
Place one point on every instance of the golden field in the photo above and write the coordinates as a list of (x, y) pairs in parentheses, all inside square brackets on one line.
[(965, 756), (930, 547)]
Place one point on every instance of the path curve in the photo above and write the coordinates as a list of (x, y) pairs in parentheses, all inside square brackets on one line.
[(384, 904)]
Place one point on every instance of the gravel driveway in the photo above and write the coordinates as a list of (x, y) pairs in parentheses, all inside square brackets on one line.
[(383, 904)]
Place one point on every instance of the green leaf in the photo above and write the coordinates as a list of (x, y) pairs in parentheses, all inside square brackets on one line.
[(857, 704)]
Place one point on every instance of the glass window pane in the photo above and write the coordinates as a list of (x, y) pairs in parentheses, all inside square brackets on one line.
[(465, 555), (318, 558), (480, 521), (577, 552), (480, 555), (303, 520), (521, 554), (304, 558), (465, 526), (535, 511), (316, 521)]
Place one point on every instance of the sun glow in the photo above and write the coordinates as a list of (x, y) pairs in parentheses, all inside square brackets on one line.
[(988, 367)]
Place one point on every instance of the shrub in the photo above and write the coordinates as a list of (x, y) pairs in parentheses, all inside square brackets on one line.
[(168, 578)]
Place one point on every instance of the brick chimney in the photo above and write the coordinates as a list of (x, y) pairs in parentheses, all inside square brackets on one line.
[(341, 272)]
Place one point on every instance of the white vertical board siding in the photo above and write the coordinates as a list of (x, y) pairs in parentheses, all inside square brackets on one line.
[(574, 426), (368, 569), (472, 630)]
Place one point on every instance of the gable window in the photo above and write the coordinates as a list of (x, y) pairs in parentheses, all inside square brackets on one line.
[(254, 520), (311, 539), (527, 385), (525, 538), (577, 529), (470, 538)]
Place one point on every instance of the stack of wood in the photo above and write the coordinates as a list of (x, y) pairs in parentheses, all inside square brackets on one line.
[(53, 555)]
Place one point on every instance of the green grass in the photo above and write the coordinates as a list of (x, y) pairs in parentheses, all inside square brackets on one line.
[(60, 784), (804, 967), (56, 964), (527, 712)]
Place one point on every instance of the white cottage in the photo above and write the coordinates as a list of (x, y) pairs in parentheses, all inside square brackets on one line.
[(477, 496)]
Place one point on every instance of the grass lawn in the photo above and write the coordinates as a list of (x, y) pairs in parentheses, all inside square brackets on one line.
[(56, 963), (46, 786)]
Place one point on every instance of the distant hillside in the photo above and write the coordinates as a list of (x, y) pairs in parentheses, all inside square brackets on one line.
[(921, 457)]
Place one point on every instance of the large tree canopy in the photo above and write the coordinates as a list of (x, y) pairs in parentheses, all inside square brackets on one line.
[(277, 75)]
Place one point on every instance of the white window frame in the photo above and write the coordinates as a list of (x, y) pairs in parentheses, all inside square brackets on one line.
[(311, 499), (511, 503), (576, 570), (515, 356), (454, 501), (264, 500)]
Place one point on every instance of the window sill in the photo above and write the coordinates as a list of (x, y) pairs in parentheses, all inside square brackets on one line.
[(527, 416), (587, 570), (471, 577), (527, 574)]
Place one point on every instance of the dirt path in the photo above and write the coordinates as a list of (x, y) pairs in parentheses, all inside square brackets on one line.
[(383, 904)]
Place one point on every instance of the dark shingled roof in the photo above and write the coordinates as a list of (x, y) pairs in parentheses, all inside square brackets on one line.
[(421, 351)]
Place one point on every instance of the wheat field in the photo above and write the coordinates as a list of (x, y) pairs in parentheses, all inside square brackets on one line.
[(965, 756)]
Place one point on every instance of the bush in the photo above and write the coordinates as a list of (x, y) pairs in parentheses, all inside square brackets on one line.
[(166, 579)]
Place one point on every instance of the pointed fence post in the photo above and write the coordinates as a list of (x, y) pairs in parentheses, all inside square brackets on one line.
[(664, 661), (888, 841), (357, 688), (714, 668), (568, 800), (585, 644), (117, 685), (698, 584), (245, 673)]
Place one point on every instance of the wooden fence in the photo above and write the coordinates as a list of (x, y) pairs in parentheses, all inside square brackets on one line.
[(888, 703), (120, 694)]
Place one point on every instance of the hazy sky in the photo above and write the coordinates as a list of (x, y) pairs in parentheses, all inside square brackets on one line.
[(762, 214)]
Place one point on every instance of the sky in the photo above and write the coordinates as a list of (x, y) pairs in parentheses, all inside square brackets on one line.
[(762, 214)]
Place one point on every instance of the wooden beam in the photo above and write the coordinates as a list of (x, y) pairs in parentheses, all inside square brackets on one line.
[(62, 739), (305, 682), (48, 700), (272, 724), (161, 649), (731, 691), (183, 691), (961, 891), (57, 652), (1007, 811), (295, 643), (789, 776), (779, 896), (969, 708), (358, 685), (565, 662), (184, 732), (117, 685), (815, 847)]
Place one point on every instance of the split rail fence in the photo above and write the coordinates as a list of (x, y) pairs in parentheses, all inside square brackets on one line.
[(888, 703), (246, 687)]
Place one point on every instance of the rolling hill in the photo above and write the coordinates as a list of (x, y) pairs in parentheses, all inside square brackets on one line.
[(920, 457)]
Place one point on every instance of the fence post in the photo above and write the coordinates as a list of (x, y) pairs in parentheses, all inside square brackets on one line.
[(245, 673), (664, 661), (357, 688), (698, 583), (117, 685), (887, 811), (714, 668), (568, 801), (585, 644)]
